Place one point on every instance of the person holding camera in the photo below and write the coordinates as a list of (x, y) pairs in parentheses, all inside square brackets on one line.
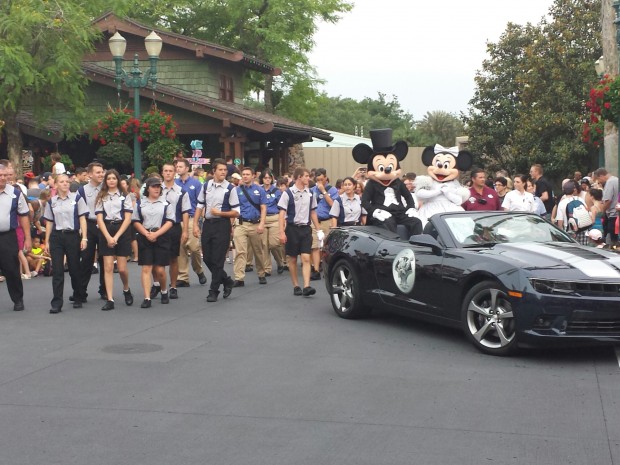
[(481, 197)]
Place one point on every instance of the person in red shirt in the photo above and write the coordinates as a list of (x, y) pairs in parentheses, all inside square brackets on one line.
[(481, 197)]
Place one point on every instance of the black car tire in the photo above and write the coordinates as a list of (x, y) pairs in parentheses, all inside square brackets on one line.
[(344, 292), (488, 320)]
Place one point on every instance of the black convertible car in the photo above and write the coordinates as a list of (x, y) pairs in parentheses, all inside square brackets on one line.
[(507, 279)]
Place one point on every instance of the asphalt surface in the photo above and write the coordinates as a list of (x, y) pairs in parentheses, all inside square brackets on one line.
[(268, 378)]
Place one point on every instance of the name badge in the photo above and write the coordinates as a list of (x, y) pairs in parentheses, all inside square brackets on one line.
[(192, 187)]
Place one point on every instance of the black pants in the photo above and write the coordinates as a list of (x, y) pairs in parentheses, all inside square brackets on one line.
[(9, 263), (87, 259), (68, 244), (609, 227), (413, 225), (215, 240)]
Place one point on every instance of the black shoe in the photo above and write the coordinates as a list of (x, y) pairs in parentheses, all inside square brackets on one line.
[(202, 279), (173, 293), (285, 267), (267, 274), (95, 270), (182, 284), (18, 306), (280, 269), (308, 291), (55, 310), (115, 268), (164, 298), (146, 303), (315, 276), (128, 297), (262, 280), (297, 290), (249, 268), (154, 291), (239, 284), (77, 304), (109, 305), (72, 299), (228, 287), (212, 297)]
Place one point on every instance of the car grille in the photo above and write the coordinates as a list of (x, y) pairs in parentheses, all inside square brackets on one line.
[(598, 289), (585, 322), (584, 289)]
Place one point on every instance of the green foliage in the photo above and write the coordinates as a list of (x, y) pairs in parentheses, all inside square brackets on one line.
[(150, 170), (528, 105), (117, 125), (116, 155), (46, 163), (439, 127), (162, 151)]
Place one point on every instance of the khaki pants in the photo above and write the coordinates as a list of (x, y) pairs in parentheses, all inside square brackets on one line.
[(244, 235), (192, 246), (271, 242)]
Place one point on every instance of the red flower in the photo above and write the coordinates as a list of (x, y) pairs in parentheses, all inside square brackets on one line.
[(140, 139)]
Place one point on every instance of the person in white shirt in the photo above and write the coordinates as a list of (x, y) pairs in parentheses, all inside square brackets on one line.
[(57, 166), (571, 192), (518, 200)]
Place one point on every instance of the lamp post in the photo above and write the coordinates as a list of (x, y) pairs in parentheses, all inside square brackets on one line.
[(135, 80), (599, 66)]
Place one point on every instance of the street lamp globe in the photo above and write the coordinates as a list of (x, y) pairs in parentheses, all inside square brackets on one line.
[(118, 44), (153, 44)]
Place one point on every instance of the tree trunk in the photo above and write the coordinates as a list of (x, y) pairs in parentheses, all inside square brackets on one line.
[(14, 143), (269, 93), (610, 52)]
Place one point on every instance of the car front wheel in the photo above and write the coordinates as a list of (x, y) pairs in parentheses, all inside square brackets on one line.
[(488, 320), (345, 292)]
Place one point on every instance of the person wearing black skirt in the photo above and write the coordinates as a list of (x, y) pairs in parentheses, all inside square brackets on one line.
[(152, 219), (65, 235)]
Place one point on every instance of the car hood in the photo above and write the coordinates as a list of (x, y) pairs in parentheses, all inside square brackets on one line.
[(585, 262)]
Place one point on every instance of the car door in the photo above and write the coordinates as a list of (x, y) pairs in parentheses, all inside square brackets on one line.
[(409, 276)]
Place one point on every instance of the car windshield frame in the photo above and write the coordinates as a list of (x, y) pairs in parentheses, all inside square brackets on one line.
[(486, 229)]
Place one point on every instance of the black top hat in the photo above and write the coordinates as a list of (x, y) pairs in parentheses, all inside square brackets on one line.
[(381, 145)]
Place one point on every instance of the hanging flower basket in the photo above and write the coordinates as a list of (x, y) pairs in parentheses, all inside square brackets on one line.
[(118, 125), (157, 125)]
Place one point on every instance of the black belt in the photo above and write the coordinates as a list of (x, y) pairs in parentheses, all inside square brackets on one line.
[(215, 220), (112, 221), (350, 223), (324, 219), (152, 229), (244, 220), (91, 221), (298, 225), (65, 231)]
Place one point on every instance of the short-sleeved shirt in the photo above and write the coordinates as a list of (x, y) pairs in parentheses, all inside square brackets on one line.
[(114, 206), (153, 214), (517, 202), (65, 212), (192, 186), (303, 203), (322, 207), (222, 196), (12, 204), (487, 201), (560, 214), (610, 192), (273, 196), (254, 193), (178, 200), (347, 210), (90, 193), (542, 186)]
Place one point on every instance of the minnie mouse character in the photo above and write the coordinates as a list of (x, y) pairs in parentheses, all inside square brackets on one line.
[(441, 190), (385, 195)]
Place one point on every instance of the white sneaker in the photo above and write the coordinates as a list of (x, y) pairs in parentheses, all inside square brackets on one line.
[(34, 274), (25, 276)]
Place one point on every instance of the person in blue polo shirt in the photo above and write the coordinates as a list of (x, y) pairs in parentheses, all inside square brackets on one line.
[(325, 196), (253, 205)]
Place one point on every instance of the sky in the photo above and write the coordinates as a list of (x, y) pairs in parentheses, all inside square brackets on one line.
[(426, 53)]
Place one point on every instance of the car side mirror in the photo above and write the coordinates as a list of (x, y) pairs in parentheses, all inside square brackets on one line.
[(426, 240)]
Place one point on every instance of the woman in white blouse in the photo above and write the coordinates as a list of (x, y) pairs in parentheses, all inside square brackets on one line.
[(518, 200)]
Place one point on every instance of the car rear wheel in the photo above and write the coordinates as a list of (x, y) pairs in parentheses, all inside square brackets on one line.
[(345, 292), (488, 320)]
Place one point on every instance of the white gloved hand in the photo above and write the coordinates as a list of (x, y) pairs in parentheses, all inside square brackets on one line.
[(320, 235), (412, 213), (381, 215)]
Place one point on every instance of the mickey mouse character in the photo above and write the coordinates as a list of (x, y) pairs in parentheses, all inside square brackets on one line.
[(385, 195), (441, 190)]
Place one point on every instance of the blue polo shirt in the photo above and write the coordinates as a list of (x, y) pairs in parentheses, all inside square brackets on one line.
[(257, 194), (322, 207), (192, 186), (273, 196)]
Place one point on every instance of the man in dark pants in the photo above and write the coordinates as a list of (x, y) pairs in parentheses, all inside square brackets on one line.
[(13, 211), (89, 193), (219, 201)]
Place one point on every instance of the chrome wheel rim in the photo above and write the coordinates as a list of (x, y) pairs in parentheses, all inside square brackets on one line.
[(490, 319), (342, 289)]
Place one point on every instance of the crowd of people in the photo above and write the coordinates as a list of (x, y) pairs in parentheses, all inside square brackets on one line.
[(95, 221)]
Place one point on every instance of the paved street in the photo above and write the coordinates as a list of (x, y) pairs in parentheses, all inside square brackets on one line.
[(267, 378)]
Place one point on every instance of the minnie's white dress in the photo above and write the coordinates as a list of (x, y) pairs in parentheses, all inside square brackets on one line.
[(439, 197)]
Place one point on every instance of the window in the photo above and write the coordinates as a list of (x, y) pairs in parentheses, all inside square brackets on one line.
[(226, 88)]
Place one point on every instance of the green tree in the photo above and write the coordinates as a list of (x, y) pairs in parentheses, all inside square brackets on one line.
[(279, 32), (440, 127), (528, 106), (41, 47)]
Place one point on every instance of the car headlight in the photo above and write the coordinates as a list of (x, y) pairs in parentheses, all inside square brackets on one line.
[(549, 286)]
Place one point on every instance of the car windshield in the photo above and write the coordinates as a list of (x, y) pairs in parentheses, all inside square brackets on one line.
[(486, 230)]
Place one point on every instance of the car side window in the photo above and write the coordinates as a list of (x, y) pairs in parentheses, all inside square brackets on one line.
[(431, 230)]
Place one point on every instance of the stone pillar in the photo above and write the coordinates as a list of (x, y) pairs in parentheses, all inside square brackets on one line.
[(610, 52)]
